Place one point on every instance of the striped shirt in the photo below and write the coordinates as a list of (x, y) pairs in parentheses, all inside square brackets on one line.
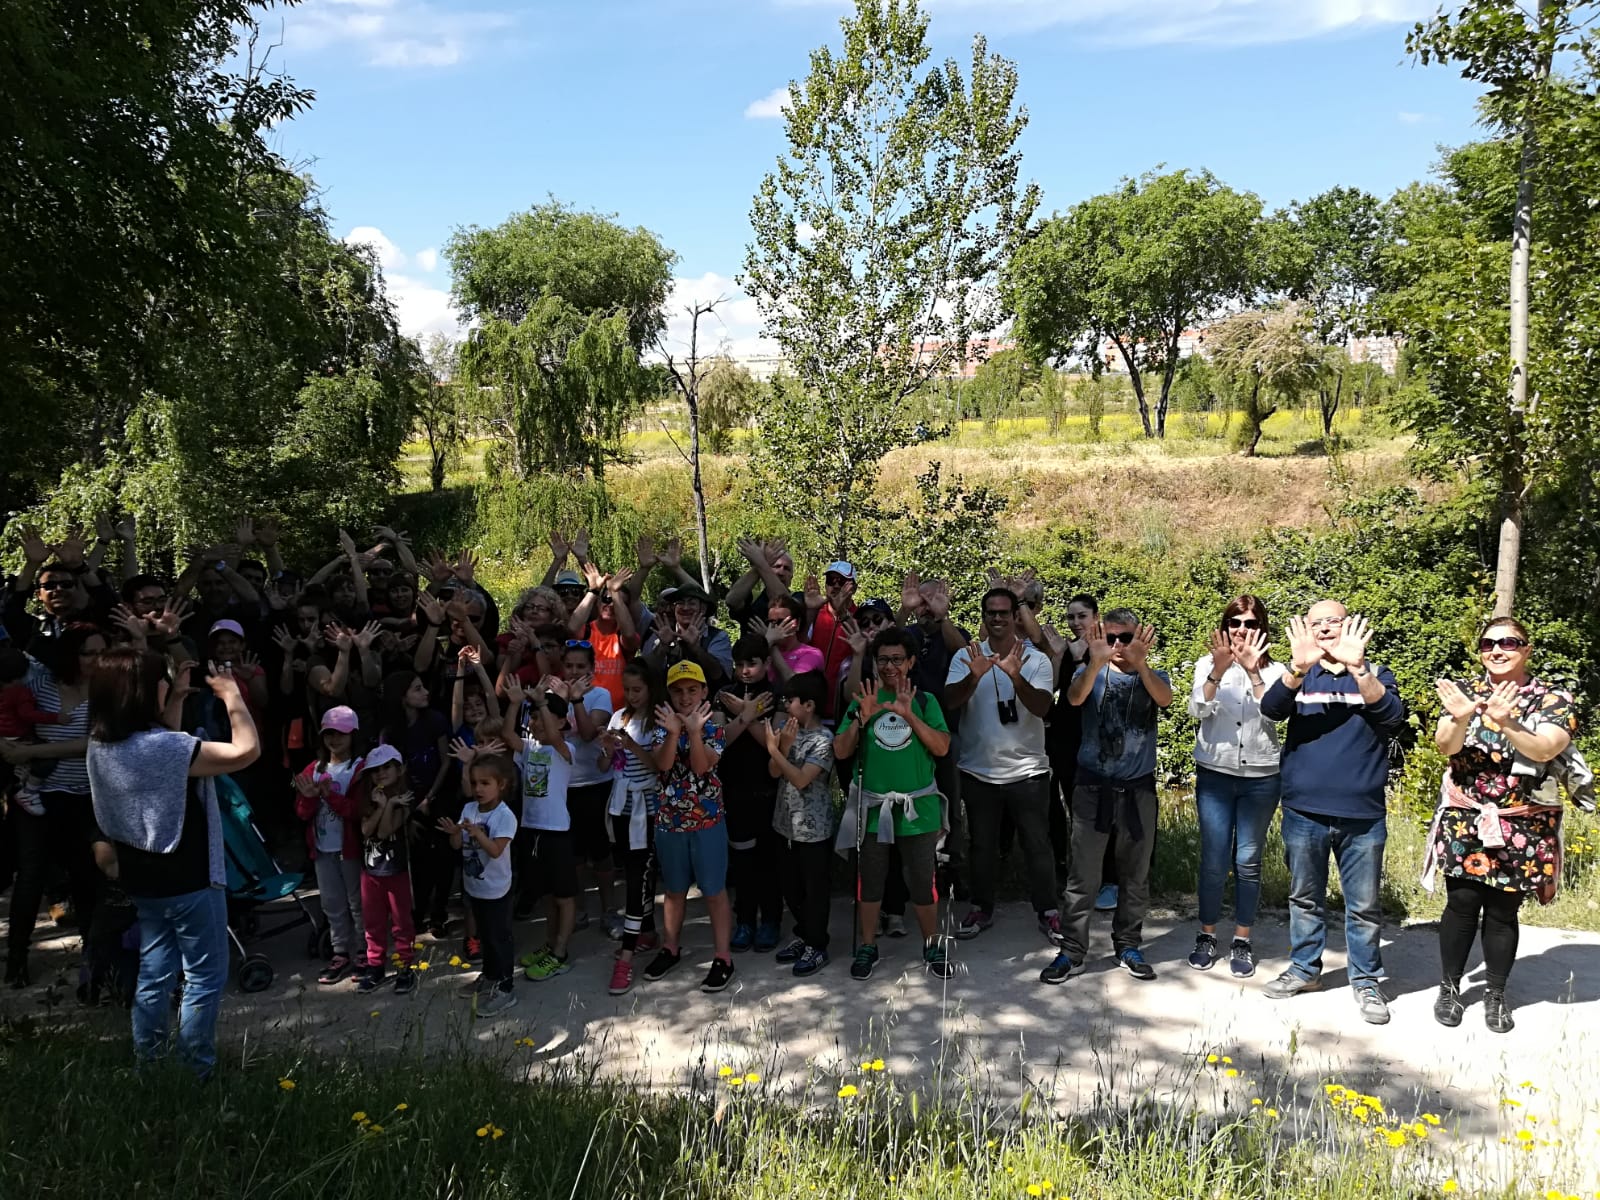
[(71, 775)]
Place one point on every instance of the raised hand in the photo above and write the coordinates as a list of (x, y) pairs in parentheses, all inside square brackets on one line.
[(369, 631), (777, 631), (457, 610), (1501, 705), (471, 655), (348, 545), (1054, 642), (126, 620), (34, 547), (560, 547), (284, 640), (1456, 702), (667, 717), (754, 552), (1221, 653), (813, 594), (693, 632), (1138, 652), (979, 663), (1011, 664), (244, 532), (248, 662), (266, 532), (904, 694), (774, 549), (698, 718), (867, 703), (222, 682), (1100, 647), (431, 608), (70, 550), (580, 546), (1304, 652), (645, 548), (911, 593), (438, 568), (618, 580), (103, 529), (343, 638), (937, 595), (1351, 648), (466, 567), (462, 752), (1252, 651), (770, 735), (170, 619), (851, 629), (672, 556), (446, 825), (595, 577), (515, 692)]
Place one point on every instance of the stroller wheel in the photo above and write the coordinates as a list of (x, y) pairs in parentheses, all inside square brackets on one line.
[(255, 974), (320, 943)]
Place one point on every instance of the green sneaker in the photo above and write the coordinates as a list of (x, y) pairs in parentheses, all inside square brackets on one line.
[(547, 966), (937, 960)]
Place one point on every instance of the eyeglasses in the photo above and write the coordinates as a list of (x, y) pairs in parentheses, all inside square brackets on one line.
[(993, 614), (897, 661), (1125, 638), (1324, 622), (577, 645), (1506, 643), (1243, 623), (56, 585)]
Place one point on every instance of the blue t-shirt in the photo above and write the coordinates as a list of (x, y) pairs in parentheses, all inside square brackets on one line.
[(1119, 730)]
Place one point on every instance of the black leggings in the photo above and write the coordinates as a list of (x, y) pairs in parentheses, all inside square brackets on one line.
[(1466, 899), (639, 879), (65, 837)]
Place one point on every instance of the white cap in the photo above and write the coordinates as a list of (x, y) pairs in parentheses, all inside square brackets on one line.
[(840, 567)]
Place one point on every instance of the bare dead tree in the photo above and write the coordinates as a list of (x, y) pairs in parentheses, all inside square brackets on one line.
[(687, 374)]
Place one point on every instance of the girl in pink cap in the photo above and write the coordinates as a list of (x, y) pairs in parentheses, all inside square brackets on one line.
[(328, 799)]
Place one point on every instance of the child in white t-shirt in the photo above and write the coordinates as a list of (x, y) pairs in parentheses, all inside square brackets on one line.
[(546, 857), (483, 836)]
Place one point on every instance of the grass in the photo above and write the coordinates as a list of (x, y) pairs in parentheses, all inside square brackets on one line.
[(367, 1122)]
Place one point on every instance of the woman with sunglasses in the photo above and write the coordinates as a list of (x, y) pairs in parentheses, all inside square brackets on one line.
[(1236, 754), (1497, 834)]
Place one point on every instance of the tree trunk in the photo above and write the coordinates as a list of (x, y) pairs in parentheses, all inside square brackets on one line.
[(437, 471), (1138, 386), (699, 494), (1167, 377), (1330, 409), (1509, 558)]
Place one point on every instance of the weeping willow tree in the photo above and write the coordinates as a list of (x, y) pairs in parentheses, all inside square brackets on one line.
[(562, 385), (1266, 356)]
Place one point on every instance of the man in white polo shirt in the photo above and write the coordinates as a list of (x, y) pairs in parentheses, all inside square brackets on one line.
[(1002, 687)]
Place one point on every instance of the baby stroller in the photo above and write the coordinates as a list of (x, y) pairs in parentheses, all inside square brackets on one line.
[(256, 880)]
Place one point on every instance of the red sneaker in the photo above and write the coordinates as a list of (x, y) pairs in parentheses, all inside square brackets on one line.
[(621, 976)]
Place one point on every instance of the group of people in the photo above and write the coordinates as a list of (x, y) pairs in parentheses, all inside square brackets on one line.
[(389, 728)]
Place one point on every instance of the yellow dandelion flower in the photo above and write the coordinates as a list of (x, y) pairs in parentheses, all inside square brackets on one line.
[(424, 965), (1033, 1189), (1373, 1103), (1419, 1130), (1554, 1194), (483, 1131), (752, 1077), (498, 1133), (1227, 1060), (847, 1091), (1507, 1102), (1448, 1186), (1430, 1118), (736, 1081), (1524, 1135), (1212, 1059), (877, 1064), (1333, 1089), (374, 1127), (455, 960), (1361, 1112), (1232, 1073), (358, 1116), (286, 1084), (866, 1064), (1048, 1186), (1396, 1138), (1528, 1084), (724, 1071), (401, 1107), (1256, 1102), (375, 1013), (1273, 1113)]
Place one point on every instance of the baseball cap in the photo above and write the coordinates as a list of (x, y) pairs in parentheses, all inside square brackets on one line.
[(341, 719), (876, 606), (568, 578), (228, 626), (840, 567), (381, 755), (685, 670)]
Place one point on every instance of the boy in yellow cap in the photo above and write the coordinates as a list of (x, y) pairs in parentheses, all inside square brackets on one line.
[(691, 839)]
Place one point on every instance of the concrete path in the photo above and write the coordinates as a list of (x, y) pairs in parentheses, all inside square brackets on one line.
[(1102, 1037)]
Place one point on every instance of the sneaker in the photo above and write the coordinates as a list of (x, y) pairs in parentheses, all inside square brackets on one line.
[(1106, 900), (1241, 959), (1374, 1008), (866, 958), (1204, 953), (1061, 969), (405, 981), (474, 987), (1291, 984), (1050, 926), (974, 923), (661, 964), (743, 938), (720, 975), (811, 961), (369, 980), (1496, 1012), (496, 1001), (616, 926), (1448, 1009), (767, 935), (792, 951), (548, 966), (621, 976), (338, 967), (1133, 962), (937, 959), (894, 925), (529, 961), (473, 951)]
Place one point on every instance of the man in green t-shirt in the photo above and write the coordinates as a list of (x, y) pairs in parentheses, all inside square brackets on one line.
[(899, 803)]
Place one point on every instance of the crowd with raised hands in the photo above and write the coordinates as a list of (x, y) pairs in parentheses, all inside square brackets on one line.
[(444, 772)]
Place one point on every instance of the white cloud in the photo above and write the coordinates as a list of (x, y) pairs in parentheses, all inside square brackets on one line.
[(770, 107), (1204, 22), (395, 33), (734, 329), (1412, 118), (420, 308)]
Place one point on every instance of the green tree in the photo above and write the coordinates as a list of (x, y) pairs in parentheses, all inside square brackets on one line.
[(1137, 267), (877, 243), (443, 402), (1268, 357), (565, 302), (1001, 383), (131, 134), (729, 396)]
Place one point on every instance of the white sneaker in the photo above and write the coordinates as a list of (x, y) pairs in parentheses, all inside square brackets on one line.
[(894, 925)]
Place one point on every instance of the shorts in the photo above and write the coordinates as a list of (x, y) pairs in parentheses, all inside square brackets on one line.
[(553, 860), (918, 852), (698, 856), (586, 809)]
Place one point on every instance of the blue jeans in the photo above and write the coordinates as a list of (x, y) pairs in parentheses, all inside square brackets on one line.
[(190, 931), (1357, 847), (1234, 814)]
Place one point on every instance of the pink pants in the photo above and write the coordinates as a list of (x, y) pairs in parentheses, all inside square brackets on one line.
[(386, 906)]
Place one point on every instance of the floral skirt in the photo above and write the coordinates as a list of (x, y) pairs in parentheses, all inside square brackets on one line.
[(1530, 861)]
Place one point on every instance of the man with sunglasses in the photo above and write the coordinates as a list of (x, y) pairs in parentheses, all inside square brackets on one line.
[(68, 589), (1114, 793), (1342, 713), (1002, 689)]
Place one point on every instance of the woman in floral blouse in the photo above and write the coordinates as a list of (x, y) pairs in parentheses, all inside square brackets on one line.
[(1497, 834)]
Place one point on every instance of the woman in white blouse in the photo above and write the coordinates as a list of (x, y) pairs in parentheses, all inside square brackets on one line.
[(1236, 755)]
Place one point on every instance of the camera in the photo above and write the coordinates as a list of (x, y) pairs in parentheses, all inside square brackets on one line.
[(1007, 710)]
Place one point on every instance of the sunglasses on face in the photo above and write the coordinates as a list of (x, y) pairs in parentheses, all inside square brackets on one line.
[(56, 585), (1486, 644), (1243, 623), (575, 644), (1125, 638), (997, 614)]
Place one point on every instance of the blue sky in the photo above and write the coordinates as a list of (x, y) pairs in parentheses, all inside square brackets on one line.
[(436, 113)]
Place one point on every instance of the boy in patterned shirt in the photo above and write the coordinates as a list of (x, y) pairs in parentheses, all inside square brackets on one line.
[(691, 839)]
